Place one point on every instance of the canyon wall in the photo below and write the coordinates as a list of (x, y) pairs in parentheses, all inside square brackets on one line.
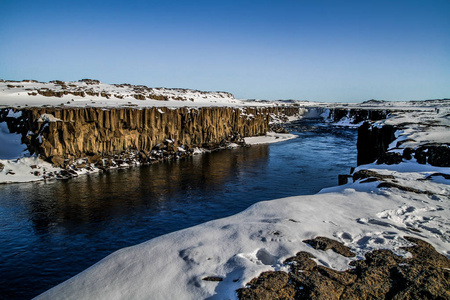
[(59, 134), (373, 142)]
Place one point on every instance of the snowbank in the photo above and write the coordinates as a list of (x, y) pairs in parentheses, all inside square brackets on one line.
[(270, 137)]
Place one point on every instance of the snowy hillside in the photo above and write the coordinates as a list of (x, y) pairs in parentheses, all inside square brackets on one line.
[(94, 93), (212, 260)]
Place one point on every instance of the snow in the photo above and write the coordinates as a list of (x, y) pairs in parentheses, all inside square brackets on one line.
[(25, 93), (12, 114), (270, 137), (48, 118), (23, 169), (10, 143), (238, 248)]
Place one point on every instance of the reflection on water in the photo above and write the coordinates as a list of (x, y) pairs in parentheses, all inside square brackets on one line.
[(51, 231)]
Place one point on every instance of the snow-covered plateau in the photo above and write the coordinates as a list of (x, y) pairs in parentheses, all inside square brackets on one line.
[(379, 206)]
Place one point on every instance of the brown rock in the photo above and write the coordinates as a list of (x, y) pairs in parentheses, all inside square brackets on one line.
[(94, 158), (381, 275), (301, 262), (368, 174), (57, 160), (268, 286)]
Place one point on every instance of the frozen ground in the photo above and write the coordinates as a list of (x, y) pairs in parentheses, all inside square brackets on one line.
[(236, 249)]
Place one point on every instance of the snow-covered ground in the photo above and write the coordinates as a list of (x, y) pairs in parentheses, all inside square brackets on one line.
[(97, 94), (270, 137), (236, 249)]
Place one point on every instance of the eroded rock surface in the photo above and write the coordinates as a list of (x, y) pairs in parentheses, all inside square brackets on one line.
[(381, 275), (74, 133)]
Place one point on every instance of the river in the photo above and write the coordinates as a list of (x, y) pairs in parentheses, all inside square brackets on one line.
[(52, 231)]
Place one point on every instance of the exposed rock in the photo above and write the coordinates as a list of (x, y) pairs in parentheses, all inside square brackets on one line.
[(324, 243), (373, 142), (381, 275), (390, 158), (94, 158), (2, 166), (434, 154), (343, 179), (402, 188), (57, 160), (212, 278), (358, 115), (407, 153), (83, 132), (368, 174), (301, 262), (268, 286), (446, 176)]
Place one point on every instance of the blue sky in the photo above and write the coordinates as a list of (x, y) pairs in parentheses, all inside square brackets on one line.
[(307, 50)]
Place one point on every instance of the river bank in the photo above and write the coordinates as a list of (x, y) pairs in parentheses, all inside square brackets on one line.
[(214, 259)]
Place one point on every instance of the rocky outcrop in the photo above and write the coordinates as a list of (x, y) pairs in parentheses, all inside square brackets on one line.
[(373, 142), (381, 275), (357, 115), (60, 135)]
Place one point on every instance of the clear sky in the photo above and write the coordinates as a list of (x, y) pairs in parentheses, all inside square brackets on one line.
[(282, 49)]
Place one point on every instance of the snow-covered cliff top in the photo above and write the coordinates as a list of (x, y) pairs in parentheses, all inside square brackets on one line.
[(89, 92)]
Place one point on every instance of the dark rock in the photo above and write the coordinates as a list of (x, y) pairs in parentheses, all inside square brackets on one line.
[(268, 286), (434, 154), (390, 158), (363, 174), (324, 243), (407, 153), (446, 176), (212, 278), (373, 142), (402, 188), (343, 179)]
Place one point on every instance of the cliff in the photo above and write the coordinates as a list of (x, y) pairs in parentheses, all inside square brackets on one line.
[(62, 135), (373, 142)]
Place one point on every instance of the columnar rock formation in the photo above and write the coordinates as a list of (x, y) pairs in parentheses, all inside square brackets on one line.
[(78, 132), (373, 142)]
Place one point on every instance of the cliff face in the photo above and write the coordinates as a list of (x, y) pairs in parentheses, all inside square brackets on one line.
[(358, 115), (56, 133), (373, 142)]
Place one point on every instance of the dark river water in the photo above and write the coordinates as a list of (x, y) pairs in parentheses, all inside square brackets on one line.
[(52, 231)]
